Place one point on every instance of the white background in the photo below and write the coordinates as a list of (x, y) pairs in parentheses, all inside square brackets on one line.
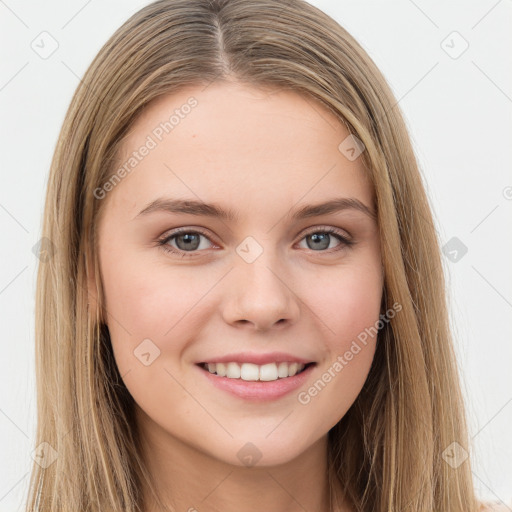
[(458, 111)]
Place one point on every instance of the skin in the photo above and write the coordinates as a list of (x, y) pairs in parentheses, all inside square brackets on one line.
[(264, 154)]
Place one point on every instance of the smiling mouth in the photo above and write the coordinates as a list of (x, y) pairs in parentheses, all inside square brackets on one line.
[(253, 372)]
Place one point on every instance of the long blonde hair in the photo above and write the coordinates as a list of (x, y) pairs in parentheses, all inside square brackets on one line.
[(386, 453)]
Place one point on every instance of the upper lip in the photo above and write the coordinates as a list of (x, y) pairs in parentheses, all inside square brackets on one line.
[(259, 359)]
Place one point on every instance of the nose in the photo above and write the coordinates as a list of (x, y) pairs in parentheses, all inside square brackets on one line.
[(260, 294)]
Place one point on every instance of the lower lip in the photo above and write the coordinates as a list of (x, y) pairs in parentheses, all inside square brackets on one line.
[(259, 390)]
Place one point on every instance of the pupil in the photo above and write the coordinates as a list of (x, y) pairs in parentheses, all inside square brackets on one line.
[(189, 239), (321, 237)]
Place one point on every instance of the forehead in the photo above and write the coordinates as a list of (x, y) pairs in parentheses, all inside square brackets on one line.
[(230, 142)]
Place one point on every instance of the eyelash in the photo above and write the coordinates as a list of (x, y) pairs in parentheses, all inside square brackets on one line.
[(163, 242)]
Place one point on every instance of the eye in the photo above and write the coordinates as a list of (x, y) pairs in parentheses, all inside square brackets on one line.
[(188, 241), (321, 238)]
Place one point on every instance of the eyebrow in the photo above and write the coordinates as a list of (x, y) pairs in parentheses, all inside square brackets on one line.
[(199, 208)]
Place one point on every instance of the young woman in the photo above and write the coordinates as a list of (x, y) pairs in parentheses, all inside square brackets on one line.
[(245, 306)]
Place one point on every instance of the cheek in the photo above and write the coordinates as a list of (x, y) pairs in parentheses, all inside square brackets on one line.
[(145, 294), (147, 299), (348, 306), (346, 300)]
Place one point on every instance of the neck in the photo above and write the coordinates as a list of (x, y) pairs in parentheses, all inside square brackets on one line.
[(187, 479)]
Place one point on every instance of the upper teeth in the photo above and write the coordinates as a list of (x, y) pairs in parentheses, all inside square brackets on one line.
[(249, 371)]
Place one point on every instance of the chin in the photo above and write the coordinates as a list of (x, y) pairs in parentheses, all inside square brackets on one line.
[(260, 452)]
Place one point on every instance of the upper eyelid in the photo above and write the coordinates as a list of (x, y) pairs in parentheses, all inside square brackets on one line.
[(305, 232)]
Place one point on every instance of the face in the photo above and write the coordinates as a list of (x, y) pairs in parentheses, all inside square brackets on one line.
[(264, 284)]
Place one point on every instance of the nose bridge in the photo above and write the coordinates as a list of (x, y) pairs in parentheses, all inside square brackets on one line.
[(258, 268), (260, 293)]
